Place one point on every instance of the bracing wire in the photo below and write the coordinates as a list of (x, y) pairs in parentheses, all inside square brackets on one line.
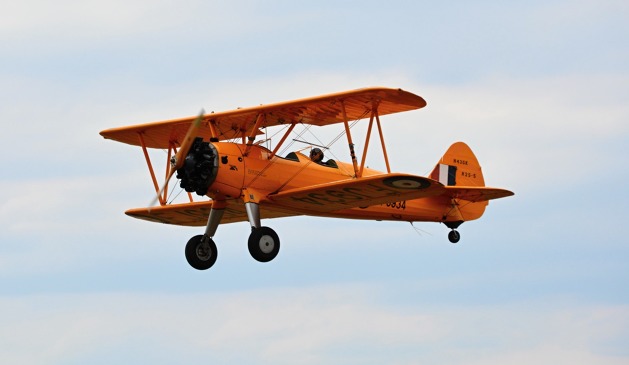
[(327, 146), (268, 165), (419, 230), (172, 191)]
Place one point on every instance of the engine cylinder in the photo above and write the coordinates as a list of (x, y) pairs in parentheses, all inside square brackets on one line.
[(200, 167)]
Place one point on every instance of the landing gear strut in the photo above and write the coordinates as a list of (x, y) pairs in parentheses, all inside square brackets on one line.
[(201, 250)]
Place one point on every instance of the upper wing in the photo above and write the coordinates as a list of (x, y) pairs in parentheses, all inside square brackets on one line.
[(320, 110), (354, 193)]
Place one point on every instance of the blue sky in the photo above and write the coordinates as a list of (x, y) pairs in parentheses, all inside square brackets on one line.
[(538, 89)]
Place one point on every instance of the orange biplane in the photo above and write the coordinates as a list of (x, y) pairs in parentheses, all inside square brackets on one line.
[(214, 155)]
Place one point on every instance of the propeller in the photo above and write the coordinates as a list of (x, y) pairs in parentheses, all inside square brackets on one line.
[(177, 161)]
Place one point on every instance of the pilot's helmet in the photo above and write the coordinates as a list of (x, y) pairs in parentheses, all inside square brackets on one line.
[(316, 155)]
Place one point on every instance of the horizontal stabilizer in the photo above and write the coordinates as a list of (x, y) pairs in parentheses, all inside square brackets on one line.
[(476, 194)]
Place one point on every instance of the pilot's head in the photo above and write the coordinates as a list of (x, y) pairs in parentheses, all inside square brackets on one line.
[(316, 155)]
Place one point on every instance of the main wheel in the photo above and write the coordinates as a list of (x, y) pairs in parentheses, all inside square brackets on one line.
[(454, 236), (201, 256), (264, 244)]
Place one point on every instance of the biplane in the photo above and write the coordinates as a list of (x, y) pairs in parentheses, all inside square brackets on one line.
[(216, 156)]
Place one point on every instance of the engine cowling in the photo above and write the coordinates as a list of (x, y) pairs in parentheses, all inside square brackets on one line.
[(200, 167)]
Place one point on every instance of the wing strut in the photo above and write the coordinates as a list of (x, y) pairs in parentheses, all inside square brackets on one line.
[(290, 129), (384, 147), (150, 165), (374, 115), (171, 149), (352, 153), (162, 195), (367, 139), (213, 133), (252, 137)]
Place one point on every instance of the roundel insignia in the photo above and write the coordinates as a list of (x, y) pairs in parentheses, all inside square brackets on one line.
[(407, 182)]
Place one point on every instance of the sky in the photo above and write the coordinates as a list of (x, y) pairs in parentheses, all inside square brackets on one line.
[(538, 89)]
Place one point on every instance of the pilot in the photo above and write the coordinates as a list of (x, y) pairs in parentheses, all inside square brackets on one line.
[(316, 155)]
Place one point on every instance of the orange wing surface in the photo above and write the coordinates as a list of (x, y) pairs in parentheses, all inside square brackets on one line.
[(321, 110), (355, 193), (187, 214), (196, 213), (476, 194)]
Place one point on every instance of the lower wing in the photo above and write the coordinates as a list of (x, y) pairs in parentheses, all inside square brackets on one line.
[(362, 192), (197, 213)]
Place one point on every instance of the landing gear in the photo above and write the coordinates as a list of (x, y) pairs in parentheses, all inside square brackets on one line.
[(201, 252), (454, 236), (264, 244)]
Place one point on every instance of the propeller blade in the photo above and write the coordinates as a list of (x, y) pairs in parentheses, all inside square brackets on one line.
[(178, 159)]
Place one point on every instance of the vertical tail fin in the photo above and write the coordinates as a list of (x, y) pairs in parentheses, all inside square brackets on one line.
[(465, 196), (458, 167)]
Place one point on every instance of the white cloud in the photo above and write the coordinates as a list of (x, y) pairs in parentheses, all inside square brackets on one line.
[(525, 131), (51, 206), (97, 20), (522, 130), (74, 68), (330, 324), (59, 224)]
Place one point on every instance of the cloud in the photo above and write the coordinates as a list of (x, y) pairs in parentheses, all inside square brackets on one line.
[(60, 224), (62, 205), (98, 21), (532, 89), (320, 324), (525, 131)]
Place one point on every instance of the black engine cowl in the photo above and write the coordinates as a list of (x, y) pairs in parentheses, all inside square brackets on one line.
[(200, 167)]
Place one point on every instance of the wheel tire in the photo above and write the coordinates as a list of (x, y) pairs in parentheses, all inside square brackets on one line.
[(454, 236), (264, 244), (196, 256)]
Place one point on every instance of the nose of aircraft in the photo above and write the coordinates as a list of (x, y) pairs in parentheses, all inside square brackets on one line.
[(199, 168)]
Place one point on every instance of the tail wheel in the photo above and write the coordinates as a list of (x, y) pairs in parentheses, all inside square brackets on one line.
[(454, 236), (264, 244), (199, 254)]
